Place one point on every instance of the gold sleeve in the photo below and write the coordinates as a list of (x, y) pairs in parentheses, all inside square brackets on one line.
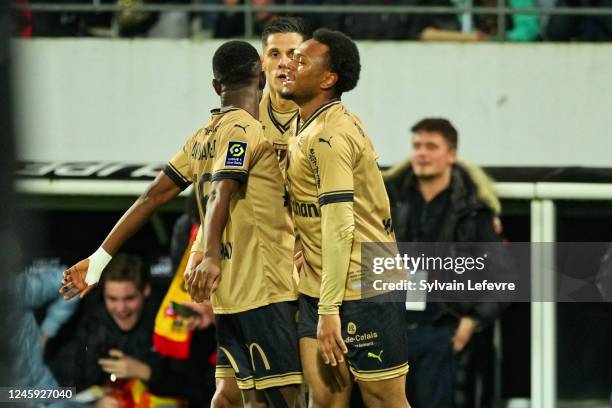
[(179, 167), (337, 232), (238, 144)]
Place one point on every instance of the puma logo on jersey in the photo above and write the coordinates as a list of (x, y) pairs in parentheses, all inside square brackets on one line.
[(376, 356), (328, 141), (241, 127)]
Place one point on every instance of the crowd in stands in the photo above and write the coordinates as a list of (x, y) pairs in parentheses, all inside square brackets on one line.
[(363, 26)]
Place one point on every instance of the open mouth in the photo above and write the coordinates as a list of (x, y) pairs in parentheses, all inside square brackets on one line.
[(286, 77)]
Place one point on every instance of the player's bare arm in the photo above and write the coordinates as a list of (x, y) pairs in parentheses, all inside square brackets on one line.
[(206, 277), (82, 277)]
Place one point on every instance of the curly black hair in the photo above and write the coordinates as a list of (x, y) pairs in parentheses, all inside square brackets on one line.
[(236, 63), (283, 25), (343, 58)]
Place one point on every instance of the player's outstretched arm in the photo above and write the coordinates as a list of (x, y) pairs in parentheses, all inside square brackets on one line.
[(206, 277), (81, 278)]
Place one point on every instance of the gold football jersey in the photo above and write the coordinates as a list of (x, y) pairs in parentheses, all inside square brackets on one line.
[(276, 124), (258, 240), (332, 160)]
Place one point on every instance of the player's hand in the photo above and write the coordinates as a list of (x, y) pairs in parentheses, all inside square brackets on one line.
[(205, 315), (124, 366), (464, 333), (331, 345), (195, 258), (204, 280), (73, 282)]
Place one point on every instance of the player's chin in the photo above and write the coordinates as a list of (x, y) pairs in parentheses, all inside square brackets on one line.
[(278, 82), (287, 93)]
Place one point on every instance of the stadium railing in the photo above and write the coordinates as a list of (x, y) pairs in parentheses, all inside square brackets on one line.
[(248, 9)]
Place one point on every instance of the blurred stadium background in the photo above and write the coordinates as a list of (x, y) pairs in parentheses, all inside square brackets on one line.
[(105, 91)]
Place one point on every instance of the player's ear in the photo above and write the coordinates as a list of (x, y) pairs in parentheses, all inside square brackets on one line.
[(329, 81), (217, 86), (262, 80)]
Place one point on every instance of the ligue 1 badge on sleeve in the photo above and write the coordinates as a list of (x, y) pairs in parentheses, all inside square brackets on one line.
[(236, 152)]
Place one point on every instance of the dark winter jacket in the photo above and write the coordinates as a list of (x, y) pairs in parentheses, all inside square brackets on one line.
[(95, 333), (468, 217)]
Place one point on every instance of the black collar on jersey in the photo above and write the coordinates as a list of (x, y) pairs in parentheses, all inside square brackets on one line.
[(225, 109), (314, 115), (281, 128), (230, 108)]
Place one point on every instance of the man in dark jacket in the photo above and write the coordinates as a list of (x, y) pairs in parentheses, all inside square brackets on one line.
[(435, 198), (113, 341)]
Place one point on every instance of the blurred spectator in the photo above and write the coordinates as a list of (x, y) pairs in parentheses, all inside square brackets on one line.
[(120, 319), (134, 23), (208, 19), (262, 17), (435, 199), (420, 22), (34, 290), (382, 26), (519, 27), (317, 20), (231, 24), (66, 24), (171, 24), (111, 346), (126, 23), (579, 28)]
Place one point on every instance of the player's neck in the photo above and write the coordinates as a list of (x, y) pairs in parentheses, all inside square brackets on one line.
[(431, 187), (308, 108), (281, 105), (243, 99)]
